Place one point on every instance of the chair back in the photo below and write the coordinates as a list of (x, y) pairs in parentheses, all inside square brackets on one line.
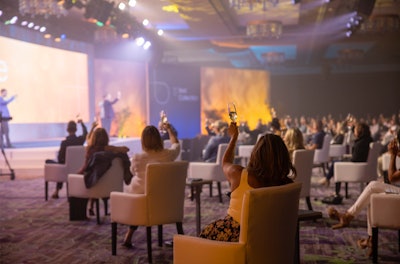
[(112, 180), (303, 162), (372, 161), (269, 223), (221, 151), (165, 191), (74, 158), (322, 155)]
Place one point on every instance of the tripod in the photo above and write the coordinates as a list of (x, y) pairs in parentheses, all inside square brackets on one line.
[(11, 173)]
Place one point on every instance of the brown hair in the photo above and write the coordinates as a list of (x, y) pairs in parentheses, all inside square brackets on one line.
[(99, 138), (270, 161), (151, 139)]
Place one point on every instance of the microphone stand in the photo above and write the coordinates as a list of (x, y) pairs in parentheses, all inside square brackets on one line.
[(11, 173)]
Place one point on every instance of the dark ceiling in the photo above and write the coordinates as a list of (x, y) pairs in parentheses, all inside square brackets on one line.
[(213, 33)]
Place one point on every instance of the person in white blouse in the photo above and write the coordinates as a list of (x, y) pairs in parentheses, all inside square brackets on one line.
[(153, 151)]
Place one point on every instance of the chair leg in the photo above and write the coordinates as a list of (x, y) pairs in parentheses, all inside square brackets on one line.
[(97, 211), (308, 200), (46, 189), (375, 245), (160, 235), (105, 201), (150, 259), (346, 187), (114, 238), (211, 187), (179, 228), (219, 192)]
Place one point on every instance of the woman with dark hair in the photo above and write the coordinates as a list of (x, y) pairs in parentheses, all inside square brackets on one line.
[(269, 165), (359, 153), (153, 152)]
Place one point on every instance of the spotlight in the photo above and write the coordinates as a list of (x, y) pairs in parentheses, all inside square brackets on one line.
[(132, 3), (24, 23), (160, 32), (140, 41), (30, 25), (146, 45), (349, 33), (42, 29), (121, 6), (36, 27), (146, 22)]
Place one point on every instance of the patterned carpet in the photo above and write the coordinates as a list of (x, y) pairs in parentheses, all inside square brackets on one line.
[(36, 231)]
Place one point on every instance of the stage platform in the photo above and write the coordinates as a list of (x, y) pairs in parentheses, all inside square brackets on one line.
[(27, 158)]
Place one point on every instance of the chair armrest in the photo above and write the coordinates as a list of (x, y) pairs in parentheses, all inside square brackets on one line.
[(195, 250), (128, 208), (55, 172), (76, 186), (385, 210), (350, 171)]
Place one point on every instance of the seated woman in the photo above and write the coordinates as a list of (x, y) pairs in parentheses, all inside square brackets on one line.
[(364, 199), (153, 151), (294, 140), (210, 151), (269, 165), (98, 140)]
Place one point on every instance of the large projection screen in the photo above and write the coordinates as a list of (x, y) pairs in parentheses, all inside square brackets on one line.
[(51, 84), (248, 89)]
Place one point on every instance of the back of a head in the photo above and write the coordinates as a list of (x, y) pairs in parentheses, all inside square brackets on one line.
[(151, 139), (275, 124), (270, 161), (71, 127), (99, 138)]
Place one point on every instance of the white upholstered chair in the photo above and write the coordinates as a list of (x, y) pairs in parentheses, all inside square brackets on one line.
[(336, 151), (244, 152), (321, 156), (267, 232), (162, 203), (362, 172), (55, 172), (384, 213), (303, 162), (210, 170), (112, 180)]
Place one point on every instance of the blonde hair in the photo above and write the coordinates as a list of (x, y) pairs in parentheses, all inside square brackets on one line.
[(294, 139)]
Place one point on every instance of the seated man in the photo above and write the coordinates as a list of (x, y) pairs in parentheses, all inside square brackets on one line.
[(70, 140)]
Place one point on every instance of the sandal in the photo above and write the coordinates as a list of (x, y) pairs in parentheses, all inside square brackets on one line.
[(333, 213), (345, 220)]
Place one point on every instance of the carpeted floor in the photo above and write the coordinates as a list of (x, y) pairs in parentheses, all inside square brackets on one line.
[(36, 231)]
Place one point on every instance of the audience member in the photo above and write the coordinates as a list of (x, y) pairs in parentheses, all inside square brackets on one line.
[(294, 140), (340, 131), (363, 200), (153, 151), (71, 140), (210, 151), (107, 113), (98, 140), (359, 153), (269, 165), (317, 137)]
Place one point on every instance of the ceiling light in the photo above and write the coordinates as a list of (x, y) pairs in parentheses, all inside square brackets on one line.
[(36, 27), (24, 23), (160, 32), (30, 25), (121, 6), (264, 29), (132, 3), (139, 41), (146, 45), (42, 29), (42, 7), (146, 22)]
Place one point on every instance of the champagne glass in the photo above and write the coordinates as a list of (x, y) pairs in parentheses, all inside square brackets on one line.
[(232, 112)]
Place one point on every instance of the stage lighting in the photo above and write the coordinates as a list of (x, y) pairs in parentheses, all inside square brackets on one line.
[(160, 32), (139, 41), (349, 33), (99, 10), (146, 45)]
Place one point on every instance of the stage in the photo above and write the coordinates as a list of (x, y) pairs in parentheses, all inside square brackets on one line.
[(27, 158)]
